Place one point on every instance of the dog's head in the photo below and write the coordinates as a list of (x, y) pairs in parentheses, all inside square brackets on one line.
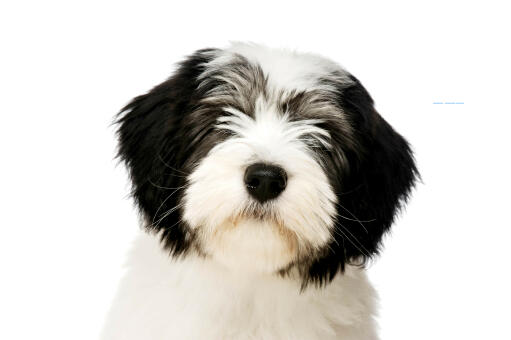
[(265, 160)]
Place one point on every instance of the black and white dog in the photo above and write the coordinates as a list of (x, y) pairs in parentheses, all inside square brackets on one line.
[(266, 180)]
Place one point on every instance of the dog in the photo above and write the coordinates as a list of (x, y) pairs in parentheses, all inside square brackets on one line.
[(266, 180)]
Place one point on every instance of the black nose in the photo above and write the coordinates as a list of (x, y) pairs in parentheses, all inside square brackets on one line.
[(265, 181)]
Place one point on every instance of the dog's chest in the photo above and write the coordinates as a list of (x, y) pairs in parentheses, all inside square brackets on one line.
[(192, 299)]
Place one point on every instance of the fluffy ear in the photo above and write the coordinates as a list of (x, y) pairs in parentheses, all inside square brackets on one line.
[(381, 174), (151, 144)]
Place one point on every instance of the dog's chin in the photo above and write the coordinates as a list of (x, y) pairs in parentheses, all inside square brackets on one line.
[(251, 244)]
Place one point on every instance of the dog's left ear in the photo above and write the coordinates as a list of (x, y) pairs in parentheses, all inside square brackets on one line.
[(380, 175)]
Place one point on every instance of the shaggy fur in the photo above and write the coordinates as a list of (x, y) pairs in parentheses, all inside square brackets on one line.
[(234, 267)]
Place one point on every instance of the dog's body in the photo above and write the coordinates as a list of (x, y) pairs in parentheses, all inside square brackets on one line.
[(194, 298), (269, 179)]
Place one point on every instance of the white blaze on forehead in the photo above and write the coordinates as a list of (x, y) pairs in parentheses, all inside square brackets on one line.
[(288, 69), (285, 69)]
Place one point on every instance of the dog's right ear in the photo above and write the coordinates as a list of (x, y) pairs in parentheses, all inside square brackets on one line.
[(150, 143)]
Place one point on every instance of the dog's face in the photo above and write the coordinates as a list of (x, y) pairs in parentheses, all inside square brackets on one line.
[(265, 160)]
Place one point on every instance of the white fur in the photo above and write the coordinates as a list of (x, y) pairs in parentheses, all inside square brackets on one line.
[(216, 198), (193, 298), (286, 69)]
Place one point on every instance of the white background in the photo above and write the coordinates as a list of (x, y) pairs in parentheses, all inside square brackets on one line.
[(66, 220)]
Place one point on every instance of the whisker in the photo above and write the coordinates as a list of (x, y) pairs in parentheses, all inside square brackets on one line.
[(355, 238), (350, 191), (167, 213), (363, 250), (354, 220), (355, 217), (170, 167), (344, 236), (174, 175), (165, 200), (161, 187)]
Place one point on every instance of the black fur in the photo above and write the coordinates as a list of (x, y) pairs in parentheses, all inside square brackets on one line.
[(380, 175), (164, 134), (156, 138)]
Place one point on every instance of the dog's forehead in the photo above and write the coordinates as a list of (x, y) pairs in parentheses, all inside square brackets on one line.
[(284, 70)]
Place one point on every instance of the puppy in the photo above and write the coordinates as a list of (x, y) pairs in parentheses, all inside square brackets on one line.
[(266, 180)]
